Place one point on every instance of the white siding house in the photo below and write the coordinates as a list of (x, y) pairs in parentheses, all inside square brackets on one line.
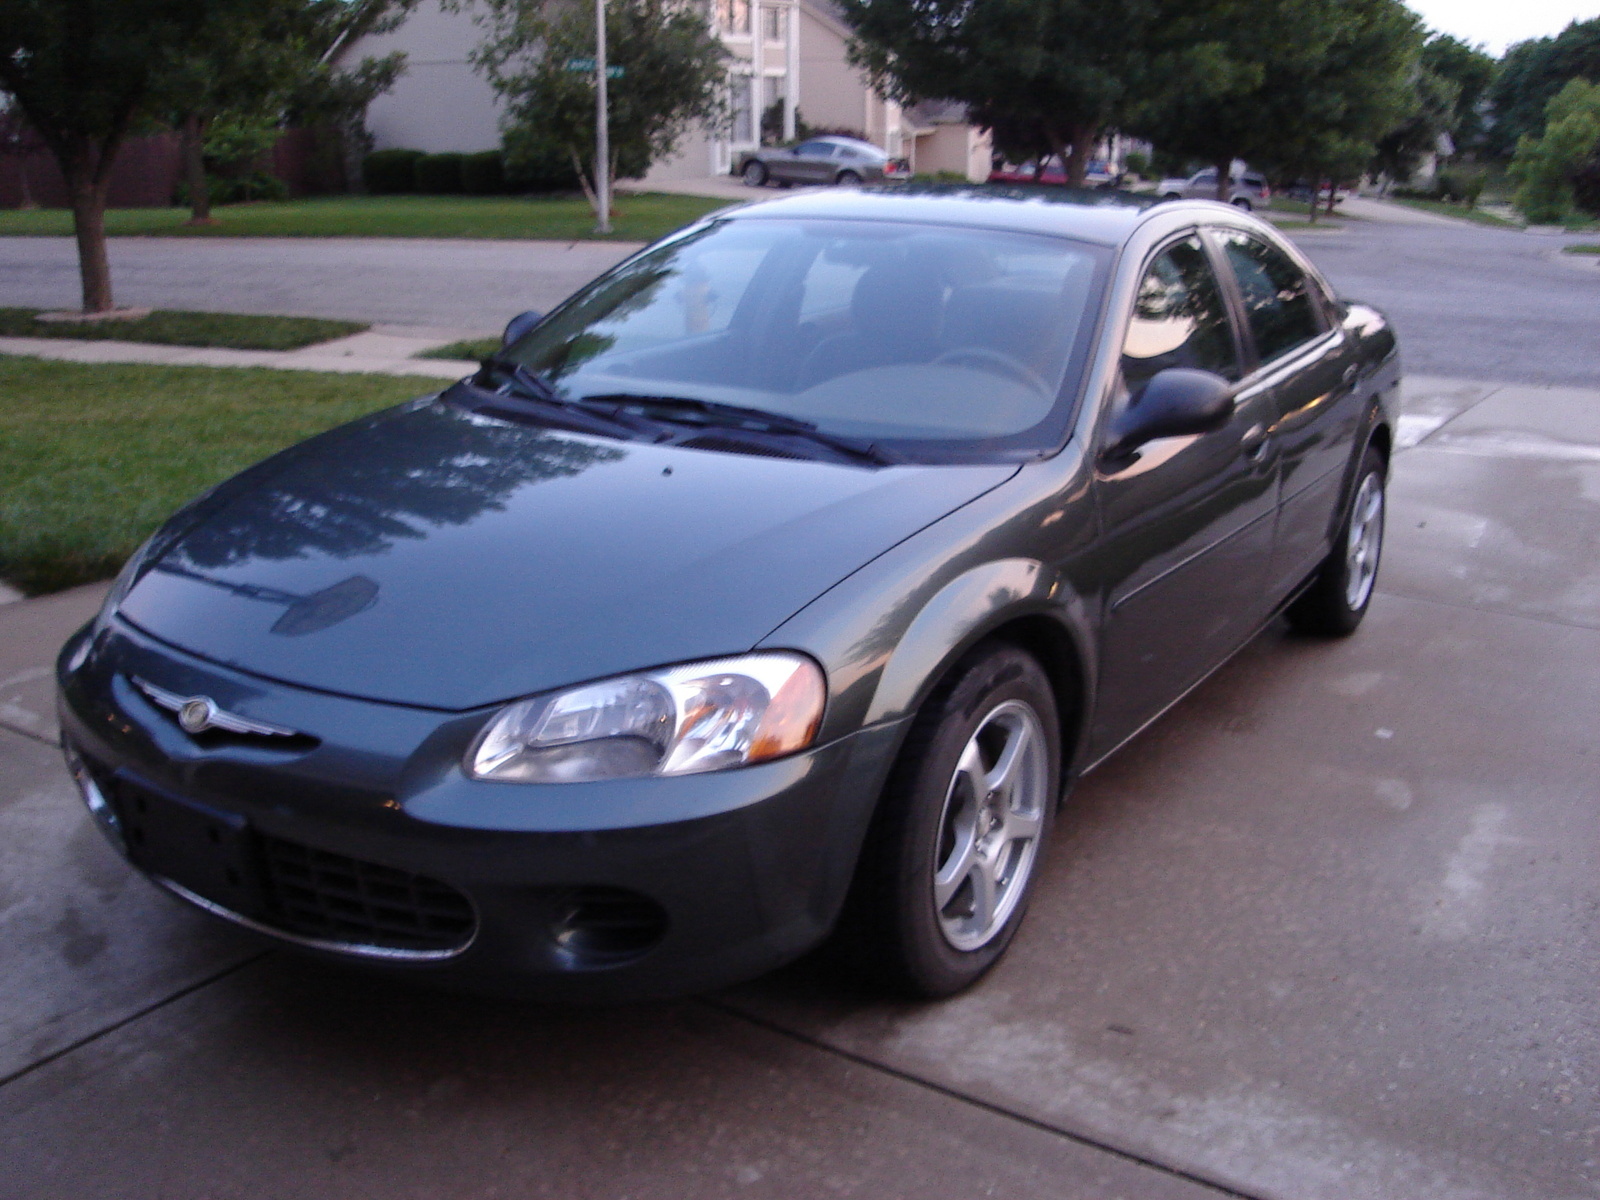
[(790, 52)]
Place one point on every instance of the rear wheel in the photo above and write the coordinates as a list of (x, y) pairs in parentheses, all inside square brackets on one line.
[(1242, 202), (1172, 196), (1335, 603), (945, 878), (848, 179), (755, 175)]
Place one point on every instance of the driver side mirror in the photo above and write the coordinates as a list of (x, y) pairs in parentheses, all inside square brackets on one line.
[(1173, 403), (519, 325)]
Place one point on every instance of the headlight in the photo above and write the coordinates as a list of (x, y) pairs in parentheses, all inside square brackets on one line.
[(726, 712)]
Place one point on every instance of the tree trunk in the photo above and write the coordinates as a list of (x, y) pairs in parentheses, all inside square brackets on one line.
[(1083, 137), (1316, 199), (89, 226), (1333, 189), (1225, 179), (193, 139), (352, 146)]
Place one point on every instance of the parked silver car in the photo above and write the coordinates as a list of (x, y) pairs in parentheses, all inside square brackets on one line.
[(830, 159), (1249, 190)]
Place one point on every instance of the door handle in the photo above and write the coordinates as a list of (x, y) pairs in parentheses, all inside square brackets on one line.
[(1254, 441), (1350, 372)]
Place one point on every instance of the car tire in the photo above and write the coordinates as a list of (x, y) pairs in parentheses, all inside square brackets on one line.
[(848, 179), (754, 174), (964, 819), (1243, 202), (1338, 598), (1172, 196)]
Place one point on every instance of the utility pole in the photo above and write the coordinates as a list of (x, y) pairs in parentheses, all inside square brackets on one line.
[(602, 124)]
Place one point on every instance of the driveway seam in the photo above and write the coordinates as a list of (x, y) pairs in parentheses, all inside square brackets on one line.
[(124, 1022), (1493, 612), (988, 1106)]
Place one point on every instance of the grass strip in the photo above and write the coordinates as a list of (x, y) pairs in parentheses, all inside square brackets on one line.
[(473, 348), (640, 216), (1582, 248), (1459, 211), (93, 457), (230, 331)]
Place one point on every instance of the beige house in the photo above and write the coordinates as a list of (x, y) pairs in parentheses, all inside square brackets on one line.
[(789, 53)]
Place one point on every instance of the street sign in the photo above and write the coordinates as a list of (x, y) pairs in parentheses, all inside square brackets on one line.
[(587, 64)]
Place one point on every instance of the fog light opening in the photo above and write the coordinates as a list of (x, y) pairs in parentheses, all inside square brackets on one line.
[(603, 926)]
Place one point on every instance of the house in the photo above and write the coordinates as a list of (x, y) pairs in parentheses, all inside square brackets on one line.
[(790, 53)]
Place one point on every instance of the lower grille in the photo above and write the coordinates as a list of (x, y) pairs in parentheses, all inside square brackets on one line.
[(330, 897)]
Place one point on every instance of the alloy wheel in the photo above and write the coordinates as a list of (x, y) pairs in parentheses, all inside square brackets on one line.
[(989, 830)]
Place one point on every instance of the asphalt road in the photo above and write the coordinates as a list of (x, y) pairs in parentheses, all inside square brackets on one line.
[(1469, 301), (1327, 930)]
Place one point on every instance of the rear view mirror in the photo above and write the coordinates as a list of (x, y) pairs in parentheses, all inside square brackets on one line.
[(1173, 403), (519, 325)]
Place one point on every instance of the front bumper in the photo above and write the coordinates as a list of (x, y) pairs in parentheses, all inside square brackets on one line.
[(616, 890)]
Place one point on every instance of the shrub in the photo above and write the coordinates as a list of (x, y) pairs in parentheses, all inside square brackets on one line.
[(439, 174), (391, 172), (1544, 168), (1138, 164), (483, 174)]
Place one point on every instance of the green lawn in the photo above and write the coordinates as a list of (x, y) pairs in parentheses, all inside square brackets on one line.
[(639, 217), (92, 457), (232, 331), (1582, 248), (476, 348), (1461, 211)]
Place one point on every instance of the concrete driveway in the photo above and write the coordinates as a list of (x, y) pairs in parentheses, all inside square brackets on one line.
[(1326, 930)]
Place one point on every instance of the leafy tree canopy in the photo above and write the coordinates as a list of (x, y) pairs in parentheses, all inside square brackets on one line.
[(1470, 72), (1530, 75), (671, 78), (1043, 75), (1545, 168)]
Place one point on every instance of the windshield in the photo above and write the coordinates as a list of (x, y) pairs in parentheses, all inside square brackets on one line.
[(950, 344)]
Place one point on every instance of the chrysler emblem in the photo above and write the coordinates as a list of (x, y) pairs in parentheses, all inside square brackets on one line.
[(196, 714)]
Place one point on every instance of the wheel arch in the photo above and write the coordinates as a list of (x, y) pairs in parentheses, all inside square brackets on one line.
[(1016, 601)]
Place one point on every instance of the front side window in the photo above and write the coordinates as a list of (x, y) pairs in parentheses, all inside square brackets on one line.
[(1277, 296), (949, 344), (1179, 318)]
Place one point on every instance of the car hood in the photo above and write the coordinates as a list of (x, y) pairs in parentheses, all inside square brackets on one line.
[(435, 557)]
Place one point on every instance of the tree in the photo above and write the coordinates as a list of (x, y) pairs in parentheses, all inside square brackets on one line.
[(1403, 147), (1041, 75), (1470, 71), (1530, 75), (668, 76), (1312, 86), (1545, 167), (83, 72)]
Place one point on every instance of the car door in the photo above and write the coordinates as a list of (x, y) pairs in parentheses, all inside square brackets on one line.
[(1308, 367), (813, 162), (1187, 526)]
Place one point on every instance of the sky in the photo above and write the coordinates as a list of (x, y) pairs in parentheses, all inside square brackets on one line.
[(1496, 24)]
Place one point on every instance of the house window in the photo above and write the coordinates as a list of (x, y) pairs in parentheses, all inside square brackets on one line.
[(734, 15), (743, 131), (774, 25)]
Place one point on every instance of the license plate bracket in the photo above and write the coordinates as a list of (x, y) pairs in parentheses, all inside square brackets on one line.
[(206, 850)]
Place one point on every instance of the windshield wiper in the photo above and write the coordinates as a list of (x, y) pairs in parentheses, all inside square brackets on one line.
[(511, 389), (715, 415)]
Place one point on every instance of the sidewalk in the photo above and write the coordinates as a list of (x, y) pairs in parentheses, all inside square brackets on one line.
[(381, 350)]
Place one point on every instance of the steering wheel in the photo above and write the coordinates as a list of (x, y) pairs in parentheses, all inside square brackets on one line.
[(995, 362)]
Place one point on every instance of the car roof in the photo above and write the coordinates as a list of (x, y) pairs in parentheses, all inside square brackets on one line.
[(1107, 218)]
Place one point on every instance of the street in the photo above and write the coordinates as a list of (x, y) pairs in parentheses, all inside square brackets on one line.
[(1326, 930)]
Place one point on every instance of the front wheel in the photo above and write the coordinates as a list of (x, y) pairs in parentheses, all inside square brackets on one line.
[(945, 878), (1242, 202), (755, 175), (1335, 603)]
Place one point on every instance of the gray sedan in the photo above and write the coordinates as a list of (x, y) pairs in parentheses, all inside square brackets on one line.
[(843, 160)]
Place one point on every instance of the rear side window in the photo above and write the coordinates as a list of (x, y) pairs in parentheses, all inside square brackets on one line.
[(1278, 299), (1179, 318)]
